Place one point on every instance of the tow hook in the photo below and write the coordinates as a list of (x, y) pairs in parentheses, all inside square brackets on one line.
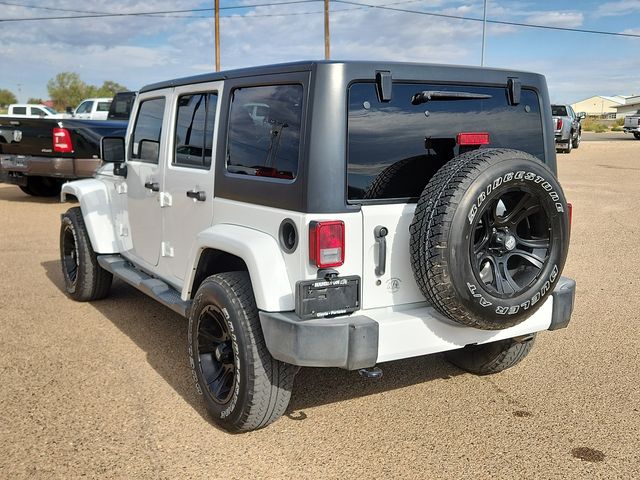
[(371, 373)]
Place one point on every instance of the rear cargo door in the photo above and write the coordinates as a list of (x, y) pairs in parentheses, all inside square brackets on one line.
[(28, 136), (395, 147)]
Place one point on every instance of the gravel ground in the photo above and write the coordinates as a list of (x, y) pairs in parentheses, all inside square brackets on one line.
[(103, 389)]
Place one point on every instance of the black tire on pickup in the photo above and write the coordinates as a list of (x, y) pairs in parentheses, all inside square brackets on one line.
[(637, 135), (42, 187), (491, 357), (84, 279), (243, 386), (489, 238), (576, 141)]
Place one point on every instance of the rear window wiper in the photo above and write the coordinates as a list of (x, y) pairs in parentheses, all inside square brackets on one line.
[(433, 95)]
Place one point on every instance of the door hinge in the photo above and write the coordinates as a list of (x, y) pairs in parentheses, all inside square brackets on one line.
[(121, 187), (167, 249), (165, 199), (122, 230)]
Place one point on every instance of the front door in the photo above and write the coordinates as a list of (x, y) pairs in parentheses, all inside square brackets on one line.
[(147, 145), (188, 182)]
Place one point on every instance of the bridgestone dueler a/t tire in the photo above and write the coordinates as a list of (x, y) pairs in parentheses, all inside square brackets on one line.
[(91, 281), (264, 386), (491, 357), (441, 236)]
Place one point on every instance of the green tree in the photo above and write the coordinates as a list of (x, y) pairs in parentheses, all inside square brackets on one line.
[(7, 97), (109, 88), (66, 89), (35, 100)]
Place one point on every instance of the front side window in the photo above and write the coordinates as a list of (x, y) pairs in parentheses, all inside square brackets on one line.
[(103, 106), (145, 140), (85, 107), (37, 111), (194, 129), (264, 131)]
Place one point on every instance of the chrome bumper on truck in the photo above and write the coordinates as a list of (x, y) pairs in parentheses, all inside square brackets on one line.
[(392, 333), (13, 168)]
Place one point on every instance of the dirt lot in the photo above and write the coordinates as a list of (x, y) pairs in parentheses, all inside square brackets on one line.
[(103, 389)]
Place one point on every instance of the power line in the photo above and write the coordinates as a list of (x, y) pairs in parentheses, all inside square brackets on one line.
[(498, 22)]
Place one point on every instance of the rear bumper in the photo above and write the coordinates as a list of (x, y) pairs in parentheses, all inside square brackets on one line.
[(55, 167), (631, 129), (392, 333)]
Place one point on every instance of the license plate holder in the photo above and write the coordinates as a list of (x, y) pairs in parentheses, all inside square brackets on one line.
[(324, 298)]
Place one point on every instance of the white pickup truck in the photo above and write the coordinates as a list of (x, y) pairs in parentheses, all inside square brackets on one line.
[(93, 109), (632, 124), (29, 110)]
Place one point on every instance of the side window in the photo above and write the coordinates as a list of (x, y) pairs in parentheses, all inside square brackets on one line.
[(19, 110), (145, 140), (37, 111), (264, 131), (85, 107), (194, 129), (103, 106)]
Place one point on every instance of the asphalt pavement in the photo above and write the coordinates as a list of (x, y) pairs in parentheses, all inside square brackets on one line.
[(103, 389)]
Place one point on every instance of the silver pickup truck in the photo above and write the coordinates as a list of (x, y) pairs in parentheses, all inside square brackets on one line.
[(567, 128), (632, 124)]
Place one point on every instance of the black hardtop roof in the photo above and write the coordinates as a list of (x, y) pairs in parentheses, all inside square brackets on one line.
[(307, 66)]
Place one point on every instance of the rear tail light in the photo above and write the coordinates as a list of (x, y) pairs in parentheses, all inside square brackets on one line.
[(477, 138), (326, 243), (558, 124), (62, 141)]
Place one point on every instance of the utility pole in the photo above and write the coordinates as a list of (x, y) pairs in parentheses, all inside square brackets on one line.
[(484, 32), (217, 33), (327, 43)]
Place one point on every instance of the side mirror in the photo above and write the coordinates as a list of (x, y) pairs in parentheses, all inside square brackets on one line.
[(112, 151), (582, 115)]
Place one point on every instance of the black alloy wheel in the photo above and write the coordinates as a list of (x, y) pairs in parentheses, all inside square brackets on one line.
[(215, 354), (511, 242), (69, 255)]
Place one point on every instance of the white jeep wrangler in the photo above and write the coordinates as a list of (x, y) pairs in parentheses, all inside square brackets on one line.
[(365, 212)]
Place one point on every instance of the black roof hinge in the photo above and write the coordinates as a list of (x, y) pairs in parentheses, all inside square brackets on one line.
[(384, 84), (514, 86)]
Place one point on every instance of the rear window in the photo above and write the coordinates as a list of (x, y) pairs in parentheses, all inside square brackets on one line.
[(20, 110), (559, 111), (103, 106), (395, 147)]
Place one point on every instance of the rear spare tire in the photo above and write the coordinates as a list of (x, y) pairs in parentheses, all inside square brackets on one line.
[(489, 237)]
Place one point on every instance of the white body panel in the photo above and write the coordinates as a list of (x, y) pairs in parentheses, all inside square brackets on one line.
[(88, 109), (397, 285), (93, 195), (32, 111), (414, 330)]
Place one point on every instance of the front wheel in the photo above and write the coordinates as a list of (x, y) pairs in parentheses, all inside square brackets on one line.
[(243, 386), (84, 278), (491, 357)]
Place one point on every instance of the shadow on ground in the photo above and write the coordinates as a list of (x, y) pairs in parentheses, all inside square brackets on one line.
[(162, 334), (12, 193)]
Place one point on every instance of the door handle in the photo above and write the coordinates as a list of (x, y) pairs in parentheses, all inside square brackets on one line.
[(153, 186), (380, 233), (200, 196)]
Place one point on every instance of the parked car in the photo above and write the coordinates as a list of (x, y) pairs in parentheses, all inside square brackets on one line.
[(376, 211), (93, 109), (632, 124), (30, 110), (568, 129)]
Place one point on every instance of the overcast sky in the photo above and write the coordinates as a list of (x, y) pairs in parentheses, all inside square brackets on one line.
[(135, 51)]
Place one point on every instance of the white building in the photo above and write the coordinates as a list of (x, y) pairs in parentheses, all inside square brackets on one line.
[(600, 105), (631, 105)]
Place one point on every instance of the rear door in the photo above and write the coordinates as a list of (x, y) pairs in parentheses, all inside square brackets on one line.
[(147, 145), (188, 181), (395, 147)]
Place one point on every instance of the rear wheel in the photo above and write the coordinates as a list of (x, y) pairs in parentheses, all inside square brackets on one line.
[(84, 278), (569, 146), (489, 238), (243, 386), (491, 357), (576, 141), (637, 135)]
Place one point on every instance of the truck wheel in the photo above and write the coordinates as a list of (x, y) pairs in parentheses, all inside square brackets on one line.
[(569, 145), (489, 238), (491, 357), (243, 386), (42, 187), (637, 135), (576, 141), (84, 278)]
